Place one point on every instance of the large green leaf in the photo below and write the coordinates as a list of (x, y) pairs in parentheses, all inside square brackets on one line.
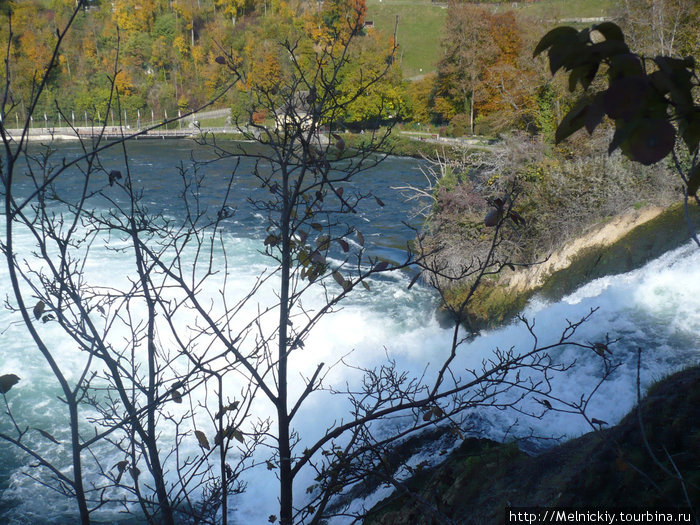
[(595, 113), (625, 65), (565, 55), (623, 129), (626, 97), (679, 80), (650, 141), (610, 31), (607, 49), (584, 75)]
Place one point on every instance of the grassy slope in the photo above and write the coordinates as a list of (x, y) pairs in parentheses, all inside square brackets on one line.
[(555, 9), (419, 31), (421, 23)]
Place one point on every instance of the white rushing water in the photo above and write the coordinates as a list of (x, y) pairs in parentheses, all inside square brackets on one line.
[(656, 308)]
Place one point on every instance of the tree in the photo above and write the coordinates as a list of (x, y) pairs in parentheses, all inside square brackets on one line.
[(664, 27), (173, 374), (233, 8), (369, 56), (485, 71), (135, 16), (509, 82), (469, 49), (123, 404), (417, 106)]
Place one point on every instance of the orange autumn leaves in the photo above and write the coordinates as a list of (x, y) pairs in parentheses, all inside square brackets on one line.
[(486, 69)]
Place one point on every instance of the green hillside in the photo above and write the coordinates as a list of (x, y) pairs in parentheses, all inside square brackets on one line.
[(419, 30), (420, 24)]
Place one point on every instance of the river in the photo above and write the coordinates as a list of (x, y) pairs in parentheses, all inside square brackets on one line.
[(656, 307)]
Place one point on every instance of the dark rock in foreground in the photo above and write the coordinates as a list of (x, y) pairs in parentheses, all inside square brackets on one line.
[(608, 468)]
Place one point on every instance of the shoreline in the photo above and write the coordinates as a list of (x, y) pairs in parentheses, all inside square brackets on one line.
[(64, 134), (599, 236), (617, 245), (404, 144)]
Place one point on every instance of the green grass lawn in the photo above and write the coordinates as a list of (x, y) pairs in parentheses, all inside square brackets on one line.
[(421, 22), (551, 10), (212, 122), (419, 31)]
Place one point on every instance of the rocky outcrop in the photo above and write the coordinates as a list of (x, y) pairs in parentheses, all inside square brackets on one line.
[(606, 468), (597, 238), (617, 245)]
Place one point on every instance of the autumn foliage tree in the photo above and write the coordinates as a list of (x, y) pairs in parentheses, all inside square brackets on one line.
[(469, 49), (510, 81), (486, 71)]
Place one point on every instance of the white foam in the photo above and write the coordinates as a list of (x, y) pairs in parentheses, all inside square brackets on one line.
[(656, 307)]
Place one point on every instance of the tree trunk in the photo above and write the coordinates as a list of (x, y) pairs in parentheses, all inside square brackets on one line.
[(165, 510), (471, 112), (77, 463), (222, 455), (284, 449)]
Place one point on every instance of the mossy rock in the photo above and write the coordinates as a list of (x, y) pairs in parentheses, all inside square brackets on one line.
[(491, 305)]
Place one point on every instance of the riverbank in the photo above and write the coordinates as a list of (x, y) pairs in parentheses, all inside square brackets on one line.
[(617, 245), (117, 133), (400, 144)]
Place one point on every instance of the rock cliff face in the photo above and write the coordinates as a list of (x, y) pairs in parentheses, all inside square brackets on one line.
[(598, 238), (611, 467), (620, 244)]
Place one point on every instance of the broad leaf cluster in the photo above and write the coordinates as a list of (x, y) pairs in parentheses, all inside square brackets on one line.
[(652, 101)]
